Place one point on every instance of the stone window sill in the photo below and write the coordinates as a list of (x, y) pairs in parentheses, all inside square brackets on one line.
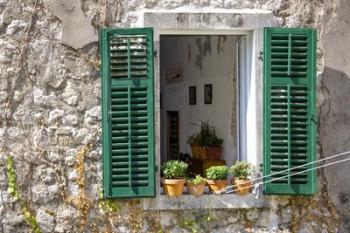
[(207, 201)]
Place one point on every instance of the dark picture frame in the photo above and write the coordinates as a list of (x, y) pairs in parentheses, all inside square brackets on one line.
[(192, 98), (208, 93)]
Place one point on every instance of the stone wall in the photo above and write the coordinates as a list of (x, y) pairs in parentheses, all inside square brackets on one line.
[(50, 121)]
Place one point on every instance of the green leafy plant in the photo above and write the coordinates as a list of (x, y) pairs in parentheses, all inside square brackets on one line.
[(241, 170), (194, 139), (174, 169), (29, 218), (217, 173), (189, 223), (198, 180), (108, 205), (205, 137)]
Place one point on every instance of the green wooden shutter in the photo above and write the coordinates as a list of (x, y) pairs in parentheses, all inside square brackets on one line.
[(127, 112), (289, 109)]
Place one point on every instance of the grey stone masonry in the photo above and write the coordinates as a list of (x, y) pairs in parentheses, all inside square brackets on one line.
[(50, 114)]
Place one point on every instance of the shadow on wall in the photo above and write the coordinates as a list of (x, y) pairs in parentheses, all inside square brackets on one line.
[(334, 137)]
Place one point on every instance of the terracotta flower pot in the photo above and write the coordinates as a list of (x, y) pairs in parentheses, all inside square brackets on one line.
[(195, 190), (213, 153), (196, 151), (203, 153), (242, 186), (173, 187), (216, 185)]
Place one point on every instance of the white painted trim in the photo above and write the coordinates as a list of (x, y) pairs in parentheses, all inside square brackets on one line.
[(238, 98), (247, 136), (243, 96), (251, 104), (201, 32)]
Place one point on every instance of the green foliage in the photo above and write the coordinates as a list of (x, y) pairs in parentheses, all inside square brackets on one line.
[(29, 218), (189, 224), (241, 170), (209, 217), (198, 180), (194, 139), (174, 169), (217, 173), (205, 137), (12, 180), (108, 205)]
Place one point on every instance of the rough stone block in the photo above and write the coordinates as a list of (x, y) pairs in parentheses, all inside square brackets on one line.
[(77, 29), (45, 221), (70, 94), (70, 120), (3, 96), (3, 83), (55, 115)]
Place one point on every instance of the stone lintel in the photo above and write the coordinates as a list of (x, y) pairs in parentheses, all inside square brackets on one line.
[(219, 20)]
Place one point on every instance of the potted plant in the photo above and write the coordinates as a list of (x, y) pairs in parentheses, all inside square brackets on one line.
[(174, 172), (217, 177), (194, 142), (206, 144), (196, 186), (241, 171), (213, 149)]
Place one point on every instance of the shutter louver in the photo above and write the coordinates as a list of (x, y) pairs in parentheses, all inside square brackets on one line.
[(127, 66), (289, 108)]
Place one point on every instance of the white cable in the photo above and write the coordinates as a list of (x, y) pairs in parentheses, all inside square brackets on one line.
[(289, 169), (296, 173)]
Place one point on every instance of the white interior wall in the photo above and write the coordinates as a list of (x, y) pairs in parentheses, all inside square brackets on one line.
[(203, 60)]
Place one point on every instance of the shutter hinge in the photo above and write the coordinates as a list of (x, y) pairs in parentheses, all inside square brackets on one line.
[(155, 53), (156, 168), (261, 55)]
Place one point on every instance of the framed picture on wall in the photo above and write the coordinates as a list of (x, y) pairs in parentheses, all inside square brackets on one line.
[(192, 95), (208, 93)]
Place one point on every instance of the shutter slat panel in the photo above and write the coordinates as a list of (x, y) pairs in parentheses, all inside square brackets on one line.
[(127, 58), (295, 56), (288, 106)]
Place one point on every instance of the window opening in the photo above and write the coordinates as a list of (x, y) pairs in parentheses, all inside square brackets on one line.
[(198, 61)]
